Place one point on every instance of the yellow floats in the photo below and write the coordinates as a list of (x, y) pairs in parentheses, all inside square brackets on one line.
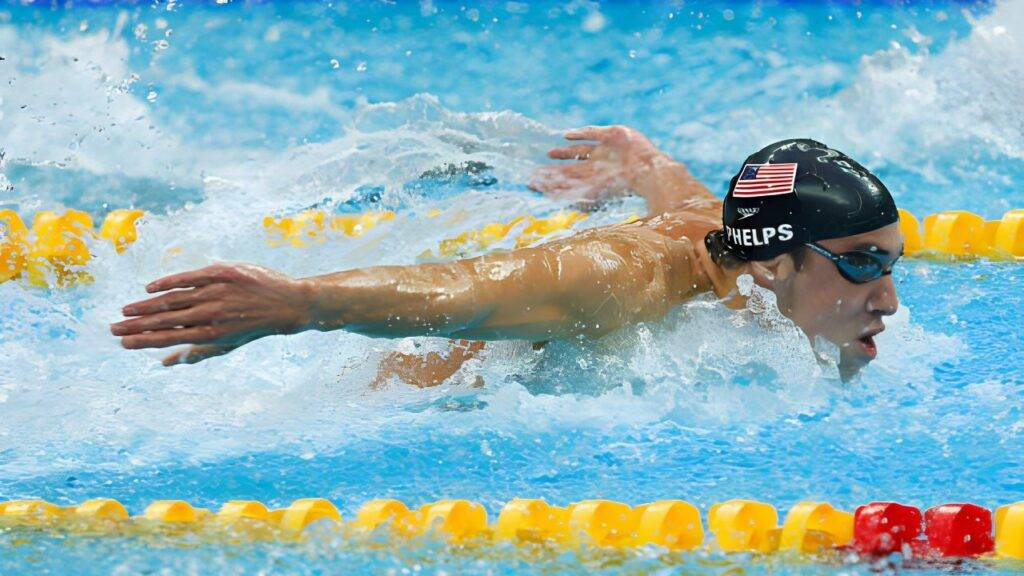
[(744, 526), (531, 520), (814, 526), (306, 511), (674, 525), (174, 511), (102, 508), (960, 233), (670, 524), (313, 226), (55, 249), (533, 229), (13, 245), (119, 228), (1010, 531), (59, 250)]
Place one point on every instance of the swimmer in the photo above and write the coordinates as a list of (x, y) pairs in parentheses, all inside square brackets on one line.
[(803, 220)]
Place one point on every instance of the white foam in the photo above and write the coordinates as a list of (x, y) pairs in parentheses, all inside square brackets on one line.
[(906, 106)]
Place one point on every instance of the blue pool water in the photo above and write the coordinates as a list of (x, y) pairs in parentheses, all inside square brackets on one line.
[(210, 116)]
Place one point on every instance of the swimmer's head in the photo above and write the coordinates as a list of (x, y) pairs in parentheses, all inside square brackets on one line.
[(820, 231)]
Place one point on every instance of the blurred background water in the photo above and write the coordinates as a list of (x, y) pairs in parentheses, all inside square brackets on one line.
[(210, 116)]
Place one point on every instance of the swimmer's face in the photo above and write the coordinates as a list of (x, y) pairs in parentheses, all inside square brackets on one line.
[(823, 303)]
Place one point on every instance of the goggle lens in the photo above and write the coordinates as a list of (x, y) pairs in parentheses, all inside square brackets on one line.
[(860, 266)]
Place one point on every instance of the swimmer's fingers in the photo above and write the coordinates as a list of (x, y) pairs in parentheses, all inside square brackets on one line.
[(585, 133), (177, 300), (551, 181), (575, 152), (192, 335), (197, 353), (193, 278), (569, 181), (599, 133), (561, 176), (195, 316)]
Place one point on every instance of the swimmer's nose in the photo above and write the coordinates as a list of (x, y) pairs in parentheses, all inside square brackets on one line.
[(883, 299)]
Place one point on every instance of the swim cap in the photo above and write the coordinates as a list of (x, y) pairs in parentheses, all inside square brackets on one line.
[(798, 191)]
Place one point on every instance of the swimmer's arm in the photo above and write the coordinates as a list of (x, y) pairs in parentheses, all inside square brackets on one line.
[(585, 285), (667, 185)]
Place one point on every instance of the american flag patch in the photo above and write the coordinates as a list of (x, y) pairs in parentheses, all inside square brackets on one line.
[(765, 180)]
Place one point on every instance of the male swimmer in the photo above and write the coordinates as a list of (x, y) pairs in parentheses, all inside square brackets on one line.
[(804, 221)]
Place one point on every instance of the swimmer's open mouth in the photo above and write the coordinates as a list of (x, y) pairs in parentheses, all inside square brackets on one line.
[(867, 342)]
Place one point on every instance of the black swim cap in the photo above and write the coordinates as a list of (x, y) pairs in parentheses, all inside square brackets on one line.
[(798, 191)]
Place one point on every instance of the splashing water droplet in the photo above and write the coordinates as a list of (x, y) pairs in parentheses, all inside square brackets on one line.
[(594, 22), (361, 67), (151, 96), (335, 64)]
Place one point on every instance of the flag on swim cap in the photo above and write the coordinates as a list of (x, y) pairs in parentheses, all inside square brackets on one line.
[(798, 191)]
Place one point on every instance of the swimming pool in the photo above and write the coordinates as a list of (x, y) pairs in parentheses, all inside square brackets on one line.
[(210, 116)]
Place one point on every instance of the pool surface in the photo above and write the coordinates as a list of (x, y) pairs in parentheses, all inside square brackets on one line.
[(210, 116)]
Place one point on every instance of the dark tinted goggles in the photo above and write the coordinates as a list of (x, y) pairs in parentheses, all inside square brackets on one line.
[(859, 266)]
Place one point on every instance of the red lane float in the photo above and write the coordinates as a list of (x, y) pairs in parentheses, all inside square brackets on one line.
[(881, 528), (959, 530)]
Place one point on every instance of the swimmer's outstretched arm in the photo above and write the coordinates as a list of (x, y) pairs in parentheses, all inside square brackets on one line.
[(588, 284), (613, 160)]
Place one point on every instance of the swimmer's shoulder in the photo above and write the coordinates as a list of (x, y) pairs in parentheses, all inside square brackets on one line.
[(685, 229), (680, 234), (690, 223)]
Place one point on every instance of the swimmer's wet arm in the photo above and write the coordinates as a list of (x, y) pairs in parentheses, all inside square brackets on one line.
[(667, 185), (585, 285), (589, 284)]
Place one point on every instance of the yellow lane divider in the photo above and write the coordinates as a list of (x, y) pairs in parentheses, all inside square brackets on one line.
[(962, 233), (875, 529), (314, 226), (54, 251)]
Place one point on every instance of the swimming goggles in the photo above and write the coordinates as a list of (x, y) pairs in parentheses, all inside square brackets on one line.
[(859, 266)]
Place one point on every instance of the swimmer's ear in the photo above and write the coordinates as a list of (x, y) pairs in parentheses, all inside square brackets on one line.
[(766, 272)]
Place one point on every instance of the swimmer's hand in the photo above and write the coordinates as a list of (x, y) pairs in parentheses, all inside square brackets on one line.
[(604, 166), (217, 309), (614, 161)]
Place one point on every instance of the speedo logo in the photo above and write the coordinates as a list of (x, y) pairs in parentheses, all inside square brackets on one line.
[(747, 212), (759, 236)]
